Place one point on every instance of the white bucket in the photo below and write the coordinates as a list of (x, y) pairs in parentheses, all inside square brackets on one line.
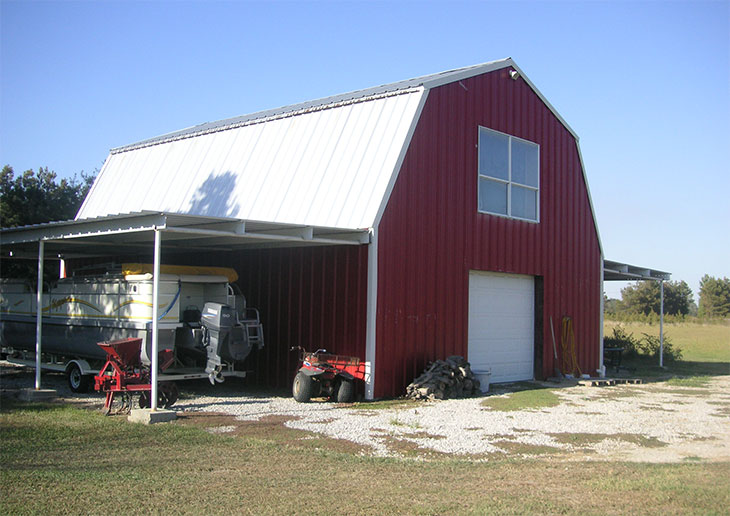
[(483, 377)]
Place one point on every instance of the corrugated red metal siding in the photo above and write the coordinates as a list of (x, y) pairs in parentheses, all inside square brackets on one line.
[(313, 297), (431, 234)]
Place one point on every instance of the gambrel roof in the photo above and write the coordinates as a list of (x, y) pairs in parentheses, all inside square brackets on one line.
[(330, 162)]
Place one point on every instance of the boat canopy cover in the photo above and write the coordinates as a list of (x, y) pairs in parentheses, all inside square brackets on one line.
[(133, 269)]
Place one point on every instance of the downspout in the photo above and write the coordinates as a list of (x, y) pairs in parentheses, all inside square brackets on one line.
[(39, 316), (371, 317)]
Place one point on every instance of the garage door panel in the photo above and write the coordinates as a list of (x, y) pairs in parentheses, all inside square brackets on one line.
[(501, 325)]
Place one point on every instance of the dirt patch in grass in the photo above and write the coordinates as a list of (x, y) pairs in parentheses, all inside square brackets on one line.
[(586, 440), (392, 404), (519, 448), (409, 449), (269, 429)]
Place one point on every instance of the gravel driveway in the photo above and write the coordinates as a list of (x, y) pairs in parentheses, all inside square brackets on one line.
[(655, 422)]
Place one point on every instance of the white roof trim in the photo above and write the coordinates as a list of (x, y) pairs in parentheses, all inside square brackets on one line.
[(401, 157), (590, 198), (618, 271)]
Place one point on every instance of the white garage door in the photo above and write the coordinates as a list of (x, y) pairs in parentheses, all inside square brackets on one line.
[(501, 325)]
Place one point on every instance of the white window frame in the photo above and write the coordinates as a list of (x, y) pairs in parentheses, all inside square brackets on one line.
[(509, 181)]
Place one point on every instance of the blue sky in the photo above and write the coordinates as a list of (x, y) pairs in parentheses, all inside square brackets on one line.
[(646, 85)]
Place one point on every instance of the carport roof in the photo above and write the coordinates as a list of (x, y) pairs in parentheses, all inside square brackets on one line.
[(133, 233), (617, 271)]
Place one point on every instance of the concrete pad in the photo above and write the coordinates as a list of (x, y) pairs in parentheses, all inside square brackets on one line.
[(37, 394), (148, 417)]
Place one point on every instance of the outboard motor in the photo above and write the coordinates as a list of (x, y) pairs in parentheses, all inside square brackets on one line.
[(225, 338)]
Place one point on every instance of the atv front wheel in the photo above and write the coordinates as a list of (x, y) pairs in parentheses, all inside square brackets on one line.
[(303, 387)]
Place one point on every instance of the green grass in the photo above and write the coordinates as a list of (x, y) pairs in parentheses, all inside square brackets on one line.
[(692, 381), (61, 460), (534, 398), (705, 348), (698, 342)]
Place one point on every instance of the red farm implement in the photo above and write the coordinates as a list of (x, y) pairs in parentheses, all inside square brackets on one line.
[(124, 374), (325, 374)]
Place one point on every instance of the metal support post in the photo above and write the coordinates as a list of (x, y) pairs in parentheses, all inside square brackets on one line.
[(661, 323), (39, 316), (155, 322), (372, 310)]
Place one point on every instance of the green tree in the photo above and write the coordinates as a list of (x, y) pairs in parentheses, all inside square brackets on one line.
[(34, 198), (714, 297), (644, 297)]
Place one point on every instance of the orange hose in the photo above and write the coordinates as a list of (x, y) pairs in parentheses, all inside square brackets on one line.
[(567, 343)]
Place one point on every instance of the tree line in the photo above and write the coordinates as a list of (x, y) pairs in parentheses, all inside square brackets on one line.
[(643, 299), (37, 197), (34, 198)]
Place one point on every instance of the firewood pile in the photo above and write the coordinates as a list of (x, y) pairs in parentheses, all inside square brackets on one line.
[(444, 379)]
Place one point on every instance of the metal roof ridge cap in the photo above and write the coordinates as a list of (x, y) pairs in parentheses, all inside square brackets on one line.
[(272, 114), (449, 76)]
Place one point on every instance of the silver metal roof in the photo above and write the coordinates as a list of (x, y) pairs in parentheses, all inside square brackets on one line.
[(133, 233), (617, 271), (329, 166)]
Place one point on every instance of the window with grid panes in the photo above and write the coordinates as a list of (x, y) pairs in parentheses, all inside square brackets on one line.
[(509, 175)]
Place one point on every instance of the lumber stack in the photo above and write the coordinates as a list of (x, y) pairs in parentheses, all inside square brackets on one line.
[(444, 379)]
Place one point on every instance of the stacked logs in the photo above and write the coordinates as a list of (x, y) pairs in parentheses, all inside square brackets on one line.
[(443, 379)]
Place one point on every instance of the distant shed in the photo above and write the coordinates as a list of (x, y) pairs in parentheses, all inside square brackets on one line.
[(474, 193)]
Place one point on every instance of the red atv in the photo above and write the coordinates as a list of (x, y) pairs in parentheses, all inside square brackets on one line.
[(323, 374)]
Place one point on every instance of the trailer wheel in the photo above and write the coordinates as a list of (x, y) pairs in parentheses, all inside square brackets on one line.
[(303, 387), (77, 381), (345, 391)]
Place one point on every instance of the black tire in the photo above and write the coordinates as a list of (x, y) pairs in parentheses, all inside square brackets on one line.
[(346, 391), (167, 395), (77, 381), (303, 387), (144, 399)]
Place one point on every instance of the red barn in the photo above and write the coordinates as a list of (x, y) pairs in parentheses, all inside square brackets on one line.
[(468, 204)]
